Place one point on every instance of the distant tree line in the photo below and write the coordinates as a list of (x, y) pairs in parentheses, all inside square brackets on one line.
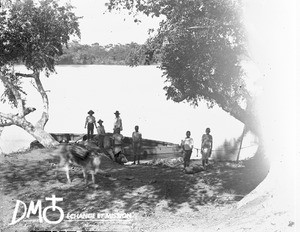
[(113, 54)]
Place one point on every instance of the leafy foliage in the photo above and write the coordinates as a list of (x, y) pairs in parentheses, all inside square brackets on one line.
[(35, 33), (200, 42), (15, 84)]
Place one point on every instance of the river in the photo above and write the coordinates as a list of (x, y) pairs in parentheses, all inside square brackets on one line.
[(137, 93)]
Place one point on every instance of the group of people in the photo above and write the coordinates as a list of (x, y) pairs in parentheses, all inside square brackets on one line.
[(206, 148), (187, 144), (117, 137)]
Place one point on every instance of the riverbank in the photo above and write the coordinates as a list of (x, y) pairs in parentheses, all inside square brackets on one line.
[(137, 93)]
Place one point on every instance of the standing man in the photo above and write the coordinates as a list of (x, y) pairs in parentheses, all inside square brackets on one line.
[(206, 147), (118, 147), (118, 122), (136, 144), (90, 121), (101, 133), (187, 144)]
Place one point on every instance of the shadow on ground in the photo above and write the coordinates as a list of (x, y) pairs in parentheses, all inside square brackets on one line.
[(140, 188)]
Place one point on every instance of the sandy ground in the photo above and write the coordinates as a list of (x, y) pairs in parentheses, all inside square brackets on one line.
[(152, 197)]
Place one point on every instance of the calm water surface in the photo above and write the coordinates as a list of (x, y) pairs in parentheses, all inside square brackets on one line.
[(136, 92)]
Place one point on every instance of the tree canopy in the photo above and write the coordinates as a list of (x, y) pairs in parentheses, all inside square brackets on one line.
[(36, 33), (201, 44)]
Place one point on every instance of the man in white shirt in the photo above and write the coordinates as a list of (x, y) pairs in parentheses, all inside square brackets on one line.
[(90, 122), (118, 122), (187, 144), (101, 133)]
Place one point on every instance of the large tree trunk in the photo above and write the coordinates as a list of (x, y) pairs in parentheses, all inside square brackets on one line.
[(246, 116), (43, 137), (36, 131), (276, 197)]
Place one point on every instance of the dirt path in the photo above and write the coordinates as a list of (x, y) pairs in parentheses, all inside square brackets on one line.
[(153, 197)]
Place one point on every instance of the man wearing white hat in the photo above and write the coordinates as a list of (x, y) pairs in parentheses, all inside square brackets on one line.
[(118, 122), (101, 133), (89, 124)]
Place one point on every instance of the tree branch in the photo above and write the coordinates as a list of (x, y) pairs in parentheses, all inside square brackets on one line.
[(45, 116), (233, 108), (24, 75), (6, 119), (29, 110), (20, 103), (3, 124)]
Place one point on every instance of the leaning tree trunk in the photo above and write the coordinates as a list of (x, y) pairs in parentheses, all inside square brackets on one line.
[(37, 130), (43, 137), (274, 199)]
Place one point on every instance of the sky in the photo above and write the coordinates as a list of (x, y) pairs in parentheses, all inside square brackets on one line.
[(99, 25)]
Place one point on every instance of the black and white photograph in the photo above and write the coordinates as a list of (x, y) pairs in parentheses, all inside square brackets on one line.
[(149, 115)]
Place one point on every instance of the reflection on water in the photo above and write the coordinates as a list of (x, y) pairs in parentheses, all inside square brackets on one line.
[(136, 92)]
